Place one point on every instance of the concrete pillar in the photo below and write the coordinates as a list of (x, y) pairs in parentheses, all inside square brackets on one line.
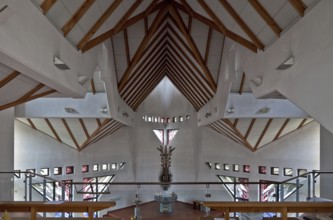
[(326, 163), (6, 154)]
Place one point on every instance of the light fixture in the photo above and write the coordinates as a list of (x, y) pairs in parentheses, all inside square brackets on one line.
[(257, 80), (82, 79), (125, 114), (70, 110), (208, 114), (286, 64), (264, 110), (59, 63), (104, 110), (230, 110), (3, 8)]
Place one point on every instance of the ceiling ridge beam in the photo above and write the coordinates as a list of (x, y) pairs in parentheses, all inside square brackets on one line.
[(242, 24), (47, 5), (107, 13), (9, 78), (137, 56), (123, 23), (147, 90), (233, 36), (138, 75), (193, 47), (210, 95), (70, 133), (76, 16), (263, 133), (299, 6), (49, 124), (266, 17), (239, 134)]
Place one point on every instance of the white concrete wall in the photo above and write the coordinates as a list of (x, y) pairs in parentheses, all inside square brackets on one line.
[(194, 146), (326, 152), (6, 154)]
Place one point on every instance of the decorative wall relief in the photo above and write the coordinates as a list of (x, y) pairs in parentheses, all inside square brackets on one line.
[(166, 175)]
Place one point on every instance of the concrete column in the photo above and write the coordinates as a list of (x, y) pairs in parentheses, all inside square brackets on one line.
[(326, 163), (6, 154)]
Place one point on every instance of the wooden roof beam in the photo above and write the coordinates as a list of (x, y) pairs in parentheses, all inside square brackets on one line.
[(267, 17), (47, 5), (239, 134), (242, 84), (99, 23), (9, 78), (92, 84), (235, 37), (85, 144), (70, 133), (31, 123), (193, 47), (209, 38), (84, 128), (281, 129), (299, 6), (128, 56), (137, 56), (122, 24), (249, 129), (242, 24), (52, 129), (76, 17), (263, 133)]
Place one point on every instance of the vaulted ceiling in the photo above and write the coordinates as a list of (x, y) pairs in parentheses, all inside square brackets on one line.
[(181, 39)]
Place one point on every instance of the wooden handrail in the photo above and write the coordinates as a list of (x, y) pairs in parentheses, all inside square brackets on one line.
[(34, 207), (282, 207)]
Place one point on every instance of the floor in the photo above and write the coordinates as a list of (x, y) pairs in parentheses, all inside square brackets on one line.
[(150, 211)]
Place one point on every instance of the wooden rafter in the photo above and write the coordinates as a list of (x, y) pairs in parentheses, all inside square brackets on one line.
[(181, 57), (116, 128), (229, 131), (189, 25), (30, 93), (92, 84), (263, 133), (76, 16), (142, 46), (52, 129), (128, 56), (99, 23), (242, 84), (209, 38), (99, 123), (223, 132), (249, 129), (224, 30), (239, 134), (281, 129), (266, 16), (47, 5), (122, 24), (242, 24), (31, 123), (302, 123), (70, 133), (146, 25), (236, 122), (190, 41), (84, 128), (299, 6), (111, 127), (85, 144), (8, 78)]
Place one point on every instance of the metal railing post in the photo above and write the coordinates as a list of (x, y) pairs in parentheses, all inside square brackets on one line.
[(309, 187), (44, 194), (297, 193), (277, 196), (25, 187), (313, 184), (282, 193), (30, 187)]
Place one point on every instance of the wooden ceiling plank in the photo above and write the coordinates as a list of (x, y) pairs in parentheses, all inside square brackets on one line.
[(47, 5), (31, 123), (249, 129), (52, 129), (224, 133), (142, 46), (9, 78), (85, 144), (186, 76), (299, 6), (277, 136), (193, 47), (242, 24), (98, 122), (239, 134), (207, 94), (237, 38), (266, 17), (242, 84), (228, 131), (92, 84), (99, 23), (106, 132), (84, 128), (122, 24), (263, 133), (302, 123), (70, 133), (128, 56), (209, 39), (76, 16)]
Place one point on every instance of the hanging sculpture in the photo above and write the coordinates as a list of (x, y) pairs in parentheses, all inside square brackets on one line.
[(166, 175)]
